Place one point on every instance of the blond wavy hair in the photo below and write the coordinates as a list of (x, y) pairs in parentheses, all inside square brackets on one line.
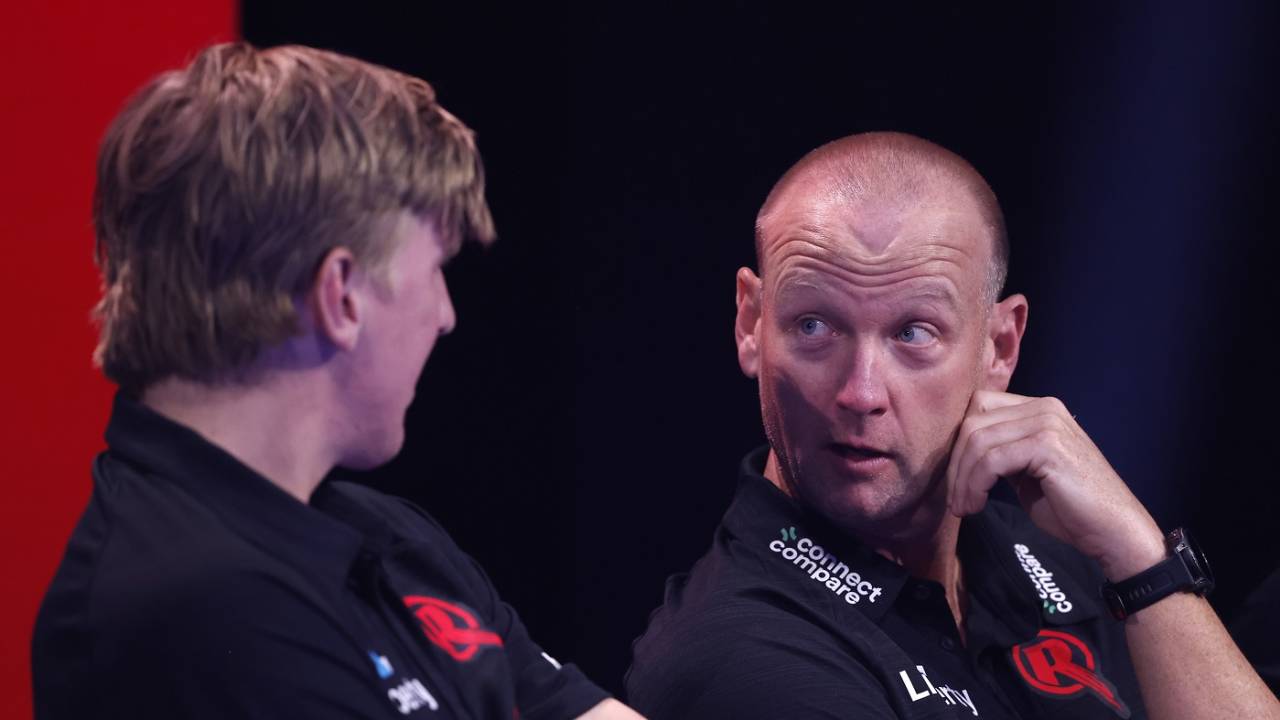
[(221, 187)]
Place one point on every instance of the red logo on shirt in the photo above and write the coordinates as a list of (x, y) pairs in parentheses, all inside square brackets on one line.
[(452, 628), (1060, 665)]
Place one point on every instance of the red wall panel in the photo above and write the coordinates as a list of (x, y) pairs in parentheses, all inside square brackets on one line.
[(67, 68)]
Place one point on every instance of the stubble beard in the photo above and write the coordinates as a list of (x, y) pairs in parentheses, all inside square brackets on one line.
[(912, 511)]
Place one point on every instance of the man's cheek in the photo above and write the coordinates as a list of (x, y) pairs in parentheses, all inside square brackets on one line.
[(945, 391), (797, 397), (942, 416)]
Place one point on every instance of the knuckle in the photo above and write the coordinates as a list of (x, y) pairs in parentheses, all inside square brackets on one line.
[(1055, 405), (1048, 439)]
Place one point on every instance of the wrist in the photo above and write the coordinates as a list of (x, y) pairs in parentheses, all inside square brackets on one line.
[(1142, 551), (1184, 569)]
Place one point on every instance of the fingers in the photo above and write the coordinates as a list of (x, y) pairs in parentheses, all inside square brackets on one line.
[(997, 450), (999, 407), (969, 492), (989, 444)]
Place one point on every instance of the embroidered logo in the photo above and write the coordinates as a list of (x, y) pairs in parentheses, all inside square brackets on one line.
[(1051, 596), (824, 567), (945, 693), (411, 695), (452, 628), (382, 665), (1060, 665)]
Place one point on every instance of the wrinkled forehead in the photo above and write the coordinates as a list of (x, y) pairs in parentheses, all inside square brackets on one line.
[(873, 244)]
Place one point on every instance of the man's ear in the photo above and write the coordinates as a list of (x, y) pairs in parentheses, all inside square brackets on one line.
[(746, 329), (1005, 326), (336, 308)]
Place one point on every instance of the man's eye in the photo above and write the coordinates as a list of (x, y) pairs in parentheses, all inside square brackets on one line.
[(813, 327), (915, 335)]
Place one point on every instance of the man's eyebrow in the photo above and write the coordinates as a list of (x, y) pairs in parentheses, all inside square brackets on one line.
[(936, 292)]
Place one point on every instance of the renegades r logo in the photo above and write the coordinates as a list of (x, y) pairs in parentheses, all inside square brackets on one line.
[(452, 628), (1060, 665)]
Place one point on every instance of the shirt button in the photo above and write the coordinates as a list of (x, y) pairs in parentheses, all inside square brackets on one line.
[(948, 644)]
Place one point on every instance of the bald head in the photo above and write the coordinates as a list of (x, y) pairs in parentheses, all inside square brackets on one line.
[(890, 172)]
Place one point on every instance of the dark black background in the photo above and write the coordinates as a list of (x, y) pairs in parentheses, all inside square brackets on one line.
[(579, 432)]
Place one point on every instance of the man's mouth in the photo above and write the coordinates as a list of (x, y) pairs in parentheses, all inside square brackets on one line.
[(858, 452)]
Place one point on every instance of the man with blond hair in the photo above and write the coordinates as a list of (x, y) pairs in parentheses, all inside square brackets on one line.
[(271, 230), (860, 571)]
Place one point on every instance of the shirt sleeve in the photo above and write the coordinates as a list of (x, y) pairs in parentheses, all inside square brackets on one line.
[(739, 664), (545, 689)]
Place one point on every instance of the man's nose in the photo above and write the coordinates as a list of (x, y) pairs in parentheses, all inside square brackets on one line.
[(863, 390)]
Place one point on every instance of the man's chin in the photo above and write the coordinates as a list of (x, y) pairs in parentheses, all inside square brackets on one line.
[(374, 455), (891, 518)]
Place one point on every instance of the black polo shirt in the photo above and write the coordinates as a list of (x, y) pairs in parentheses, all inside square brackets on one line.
[(195, 588), (786, 618)]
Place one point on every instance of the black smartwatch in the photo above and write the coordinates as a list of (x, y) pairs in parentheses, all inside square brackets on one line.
[(1186, 570)]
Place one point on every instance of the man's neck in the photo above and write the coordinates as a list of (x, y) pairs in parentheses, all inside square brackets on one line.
[(273, 427), (931, 556), (935, 557)]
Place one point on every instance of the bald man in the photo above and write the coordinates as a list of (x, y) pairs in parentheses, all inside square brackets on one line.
[(861, 570)]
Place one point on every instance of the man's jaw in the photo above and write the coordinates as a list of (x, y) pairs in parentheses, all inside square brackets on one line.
[(912, 517)]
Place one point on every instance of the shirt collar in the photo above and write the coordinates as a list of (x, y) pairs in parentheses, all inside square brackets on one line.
[(998, 540), (302, 535), (1025, 583), (812, 559)]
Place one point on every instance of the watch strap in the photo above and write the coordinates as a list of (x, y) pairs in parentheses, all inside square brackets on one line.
[(1175, 573)]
